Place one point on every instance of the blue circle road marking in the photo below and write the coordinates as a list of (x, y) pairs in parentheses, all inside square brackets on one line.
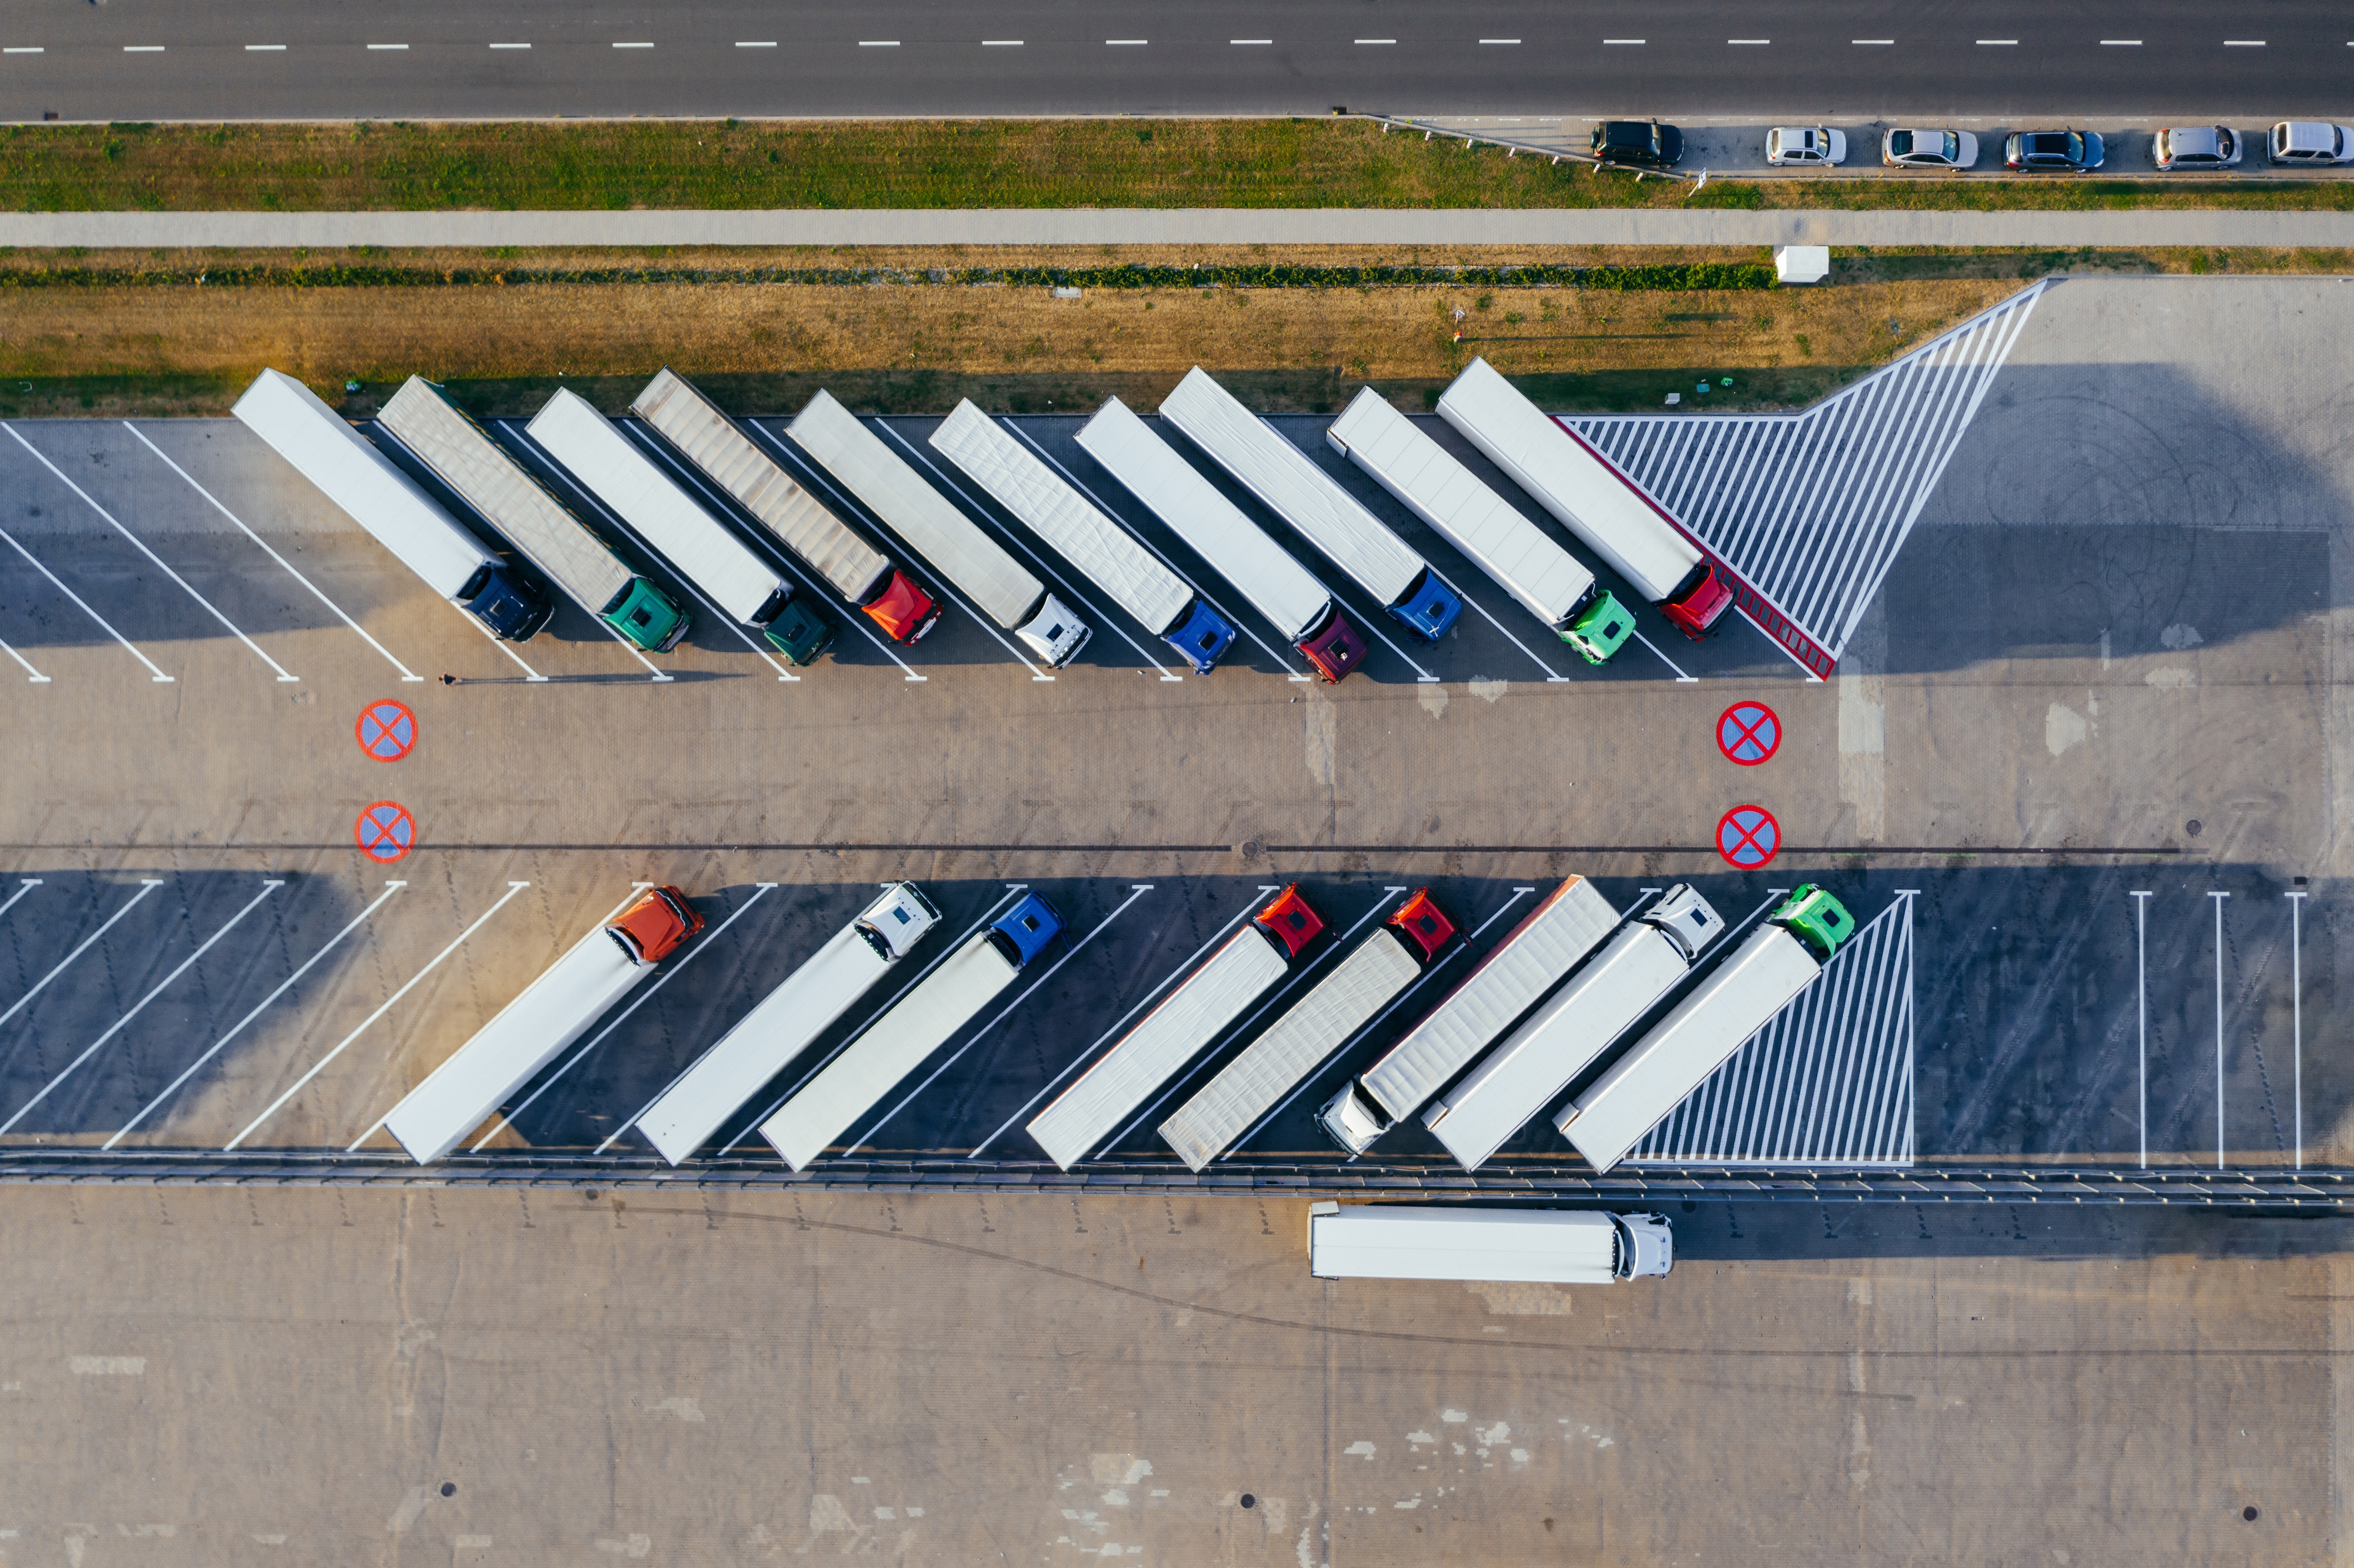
[(387, 730), (1748, 836), (1748, 732), (385, 832)]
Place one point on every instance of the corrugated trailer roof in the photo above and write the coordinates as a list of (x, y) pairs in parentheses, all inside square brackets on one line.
[(1397, 1241)]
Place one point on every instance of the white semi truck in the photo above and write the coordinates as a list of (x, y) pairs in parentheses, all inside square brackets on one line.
[(1567, 924), (373, 492), (617, 472), (1575, 1026), (1517, 555), (1737, 998), (1007, 591), (1511, 1246), (918, 1023), (1289, 482), (854, 568), (1183, 1026), (1588, 496), (1400, 951), (1104, 552), (566, 550), (787, 1021), (531, 1031), (1239, 549)]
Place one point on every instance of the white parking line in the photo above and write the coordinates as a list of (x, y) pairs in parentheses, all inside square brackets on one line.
[(2141, 1015), (31, 49), (1629, 42), (238, 1028), (147, 884), (1000, 43), (756, 43), (2218, 898), (23, 884), (142, 48), (1749, 41), (1137, 891), (1126, 43), (1551, 676), (2120, 43), (320, 1066), (387, 46), (1377, 40), (1872, 43), (2243, 43), (759, 890), (1174, 976), (1251, 42), (1500, 40), (84, 606), (1998, 43), (32, 677), (633, 46), (151, 555), (1682, 679), (2296, 1016), (405, 674), (116, 1027), (509, 45), (878, 43), (265, 48)]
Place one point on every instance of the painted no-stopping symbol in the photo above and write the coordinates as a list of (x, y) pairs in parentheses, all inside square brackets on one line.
[(387, 730), (385, 832), (1748, 836), (1748, 732)]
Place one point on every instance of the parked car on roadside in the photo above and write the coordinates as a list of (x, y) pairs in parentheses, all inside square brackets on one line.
[(1637, 144), (1805, 144), (2055, 152), (1929, 149), (2195, 147), (2312, 141)]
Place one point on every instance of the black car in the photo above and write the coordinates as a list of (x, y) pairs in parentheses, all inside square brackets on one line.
[(1638, 145), (2068, 151)]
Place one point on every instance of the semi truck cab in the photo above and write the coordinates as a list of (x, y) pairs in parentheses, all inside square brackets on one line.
[(1202, 636), (655, 927), (1647, 1247), (645, 615), (1698, 602), (902, 610), (1430, 608), (1815, 918), (793, 626), (1600, 626), (1685, 918), (1334, 649), (1026, 931), (1290, 921), (1054, 634), (503, 600), (896, 922), (1418, 920)]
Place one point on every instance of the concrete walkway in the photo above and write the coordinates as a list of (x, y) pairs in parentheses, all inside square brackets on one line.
[(1223, 226)]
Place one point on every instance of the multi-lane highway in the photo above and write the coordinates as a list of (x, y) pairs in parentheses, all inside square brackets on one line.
[(427, 58)]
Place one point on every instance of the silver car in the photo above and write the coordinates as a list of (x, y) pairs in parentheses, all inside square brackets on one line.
[(1804, 146), (1929, 149), (2310, 141), (2195, 147)]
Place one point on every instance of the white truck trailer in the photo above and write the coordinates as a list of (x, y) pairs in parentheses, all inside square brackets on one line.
[(1179, 1029), (1588, 496), (1400, 949), (1530, 1246), (787, 1021), (1573, 1026), (1104, 552), (1567, 924), (1007, 591), (918, 1023), (613, 468), (1517, 555), (346, 467), (1287, 482), (1737, 999), (531, 1031), (481, 474), (1215, 529), (861, 574)]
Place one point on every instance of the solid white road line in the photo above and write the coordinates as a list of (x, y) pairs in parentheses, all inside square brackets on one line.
[(1251, 42), (151, 555), (1377, 40), (513, 888), (147, 884), (633, 46), (509, 45), (1000, 43), (1127, 42), (2218, 898), (1681, 677), (405, 674), (85, 608), (2296, 1013), (1747, 41), (1629, 42), (142, 48), (387, 46), (118, 1025), (1998, 43), (2141, 1012), (2120, 43), (1873, 43), (33, 677), (756, 43), (32, 50), (1551, 675), (238, 1028), (878, 43), (23, 884), (1500, 40), (2243, 43), (265, 48)]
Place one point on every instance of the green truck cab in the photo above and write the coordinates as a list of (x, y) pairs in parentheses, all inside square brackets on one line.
[(1815, 918), (797, 631), (1599, 629), (646, 616)]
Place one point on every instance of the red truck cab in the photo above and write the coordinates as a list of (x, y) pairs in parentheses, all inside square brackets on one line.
[(1334, 649), (903, 609), (1418, 920), (1700, 602), (653, 928), (1290, 921)]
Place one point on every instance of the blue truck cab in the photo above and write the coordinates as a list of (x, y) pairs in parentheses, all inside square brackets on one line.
[(1202, 635), (503, 600), (1431, 607), (1026, 931)]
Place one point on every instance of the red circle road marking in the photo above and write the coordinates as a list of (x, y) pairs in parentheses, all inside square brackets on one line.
[(1748, 732), (387, 730), (385, 832), (1748, 836)]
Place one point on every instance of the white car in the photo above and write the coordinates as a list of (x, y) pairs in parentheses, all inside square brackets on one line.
[(1929, 149), (1805, 144), (2195, 147), (2312, 141)]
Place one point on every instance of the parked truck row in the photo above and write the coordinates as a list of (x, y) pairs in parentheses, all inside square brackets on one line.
[(718, 499)]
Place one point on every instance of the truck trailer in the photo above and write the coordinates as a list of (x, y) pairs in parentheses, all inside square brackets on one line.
[(1287, 482), (787, 1021), (567, 551), (861, 574), (1567, 924), (1737, 999), (1181, 1028), (707, 553), (1532, 1246), (1007, 592), (531, 1031), (1401, 949), (918, 1023), (1575, 1026), (1588, 496), (1215, 529), (1550, 583), (347, 469), (1105, 553)]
